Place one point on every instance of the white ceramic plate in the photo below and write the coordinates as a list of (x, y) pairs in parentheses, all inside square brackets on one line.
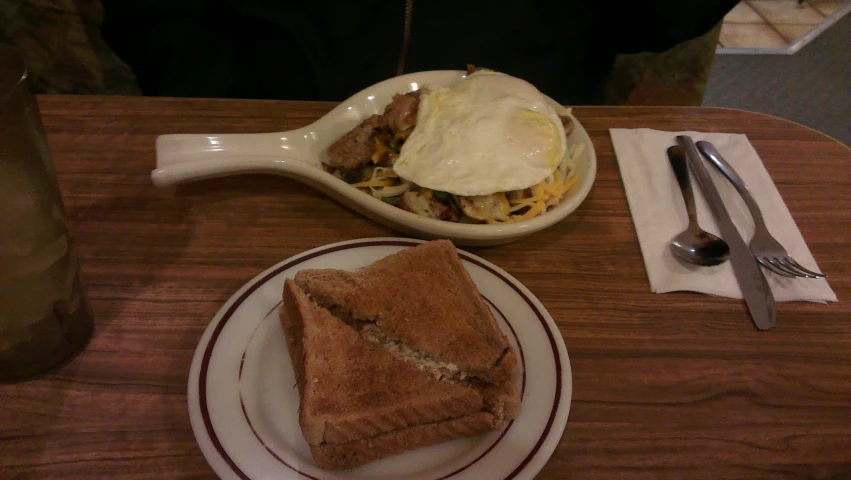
[(243, 402), (299, 153)]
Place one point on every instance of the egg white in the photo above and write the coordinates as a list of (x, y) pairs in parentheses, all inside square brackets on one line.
[(487, 133)]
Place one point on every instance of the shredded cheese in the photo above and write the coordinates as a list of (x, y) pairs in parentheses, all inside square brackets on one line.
[(392, 191), (385, 173), (380, 150), (544, 195), (528, 201), (537, 209)]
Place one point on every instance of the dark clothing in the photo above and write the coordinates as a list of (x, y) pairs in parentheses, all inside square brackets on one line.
[(328, 50)]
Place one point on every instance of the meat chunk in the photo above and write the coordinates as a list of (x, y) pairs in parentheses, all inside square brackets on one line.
[(473, 69), (401, 113), (450, 214), (567, 123), (357, 147)]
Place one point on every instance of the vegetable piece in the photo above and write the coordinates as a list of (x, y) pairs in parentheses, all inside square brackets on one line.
[(391, 190), (421, 204), (486, 207), (392, 200), (352, 176), (443, 197)]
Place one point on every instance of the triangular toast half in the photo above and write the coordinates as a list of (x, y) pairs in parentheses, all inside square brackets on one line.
[(354, 389), (424, 299)]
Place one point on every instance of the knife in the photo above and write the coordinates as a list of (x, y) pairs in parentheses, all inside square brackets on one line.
[(755, 289)]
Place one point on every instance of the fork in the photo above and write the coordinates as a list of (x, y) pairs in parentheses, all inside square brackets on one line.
[(765, 248)]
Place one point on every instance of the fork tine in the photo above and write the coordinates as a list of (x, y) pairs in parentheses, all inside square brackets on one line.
[(772, 268), (784, 263), (778, 262), (791, 263), (791, 268)]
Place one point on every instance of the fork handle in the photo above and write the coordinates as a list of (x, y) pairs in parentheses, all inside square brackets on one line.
[(708, 150)]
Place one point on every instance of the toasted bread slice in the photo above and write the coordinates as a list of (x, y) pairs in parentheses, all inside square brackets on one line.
[(354, 389), (358, 452), (424, 299), (385, 362)]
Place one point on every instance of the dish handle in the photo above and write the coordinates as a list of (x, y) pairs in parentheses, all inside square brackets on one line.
[(190, 157)]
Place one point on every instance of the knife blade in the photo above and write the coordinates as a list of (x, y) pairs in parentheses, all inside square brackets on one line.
[(755, 290)]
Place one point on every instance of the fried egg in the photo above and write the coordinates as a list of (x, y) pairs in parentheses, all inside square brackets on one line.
[(486, 133)]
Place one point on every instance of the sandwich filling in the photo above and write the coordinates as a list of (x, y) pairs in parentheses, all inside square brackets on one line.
[(439, 370), (371, 332)]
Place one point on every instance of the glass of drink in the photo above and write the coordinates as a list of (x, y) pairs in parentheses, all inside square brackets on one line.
[(45, 318)]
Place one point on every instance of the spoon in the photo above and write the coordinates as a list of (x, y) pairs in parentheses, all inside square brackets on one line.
[(694, 245), (298, 154)]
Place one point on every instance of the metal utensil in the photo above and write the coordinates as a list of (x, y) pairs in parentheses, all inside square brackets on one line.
[(767, 250), (693, 245), (755, 290)]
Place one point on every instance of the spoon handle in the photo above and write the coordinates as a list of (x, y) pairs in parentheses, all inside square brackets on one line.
[(681, 172)]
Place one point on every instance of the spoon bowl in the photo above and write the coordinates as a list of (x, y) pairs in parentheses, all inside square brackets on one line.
[(700, 248), (693, 245), (298, 154)]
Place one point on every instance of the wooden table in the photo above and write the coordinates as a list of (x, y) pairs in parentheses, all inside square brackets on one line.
[(664, 386)]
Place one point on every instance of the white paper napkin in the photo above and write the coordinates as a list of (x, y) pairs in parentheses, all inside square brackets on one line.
[(659, 213)]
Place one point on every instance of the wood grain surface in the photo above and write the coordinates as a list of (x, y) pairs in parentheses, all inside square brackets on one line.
[(678, 385)]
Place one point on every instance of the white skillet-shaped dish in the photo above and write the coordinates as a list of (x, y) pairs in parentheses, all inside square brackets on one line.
[(298, 154)]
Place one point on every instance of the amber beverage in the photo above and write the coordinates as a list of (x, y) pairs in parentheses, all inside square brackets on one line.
[(45, 318)]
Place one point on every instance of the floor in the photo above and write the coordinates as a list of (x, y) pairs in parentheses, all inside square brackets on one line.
[(777, 26), (812, 87)]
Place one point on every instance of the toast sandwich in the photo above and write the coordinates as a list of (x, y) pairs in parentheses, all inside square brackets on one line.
[(398, 355)]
